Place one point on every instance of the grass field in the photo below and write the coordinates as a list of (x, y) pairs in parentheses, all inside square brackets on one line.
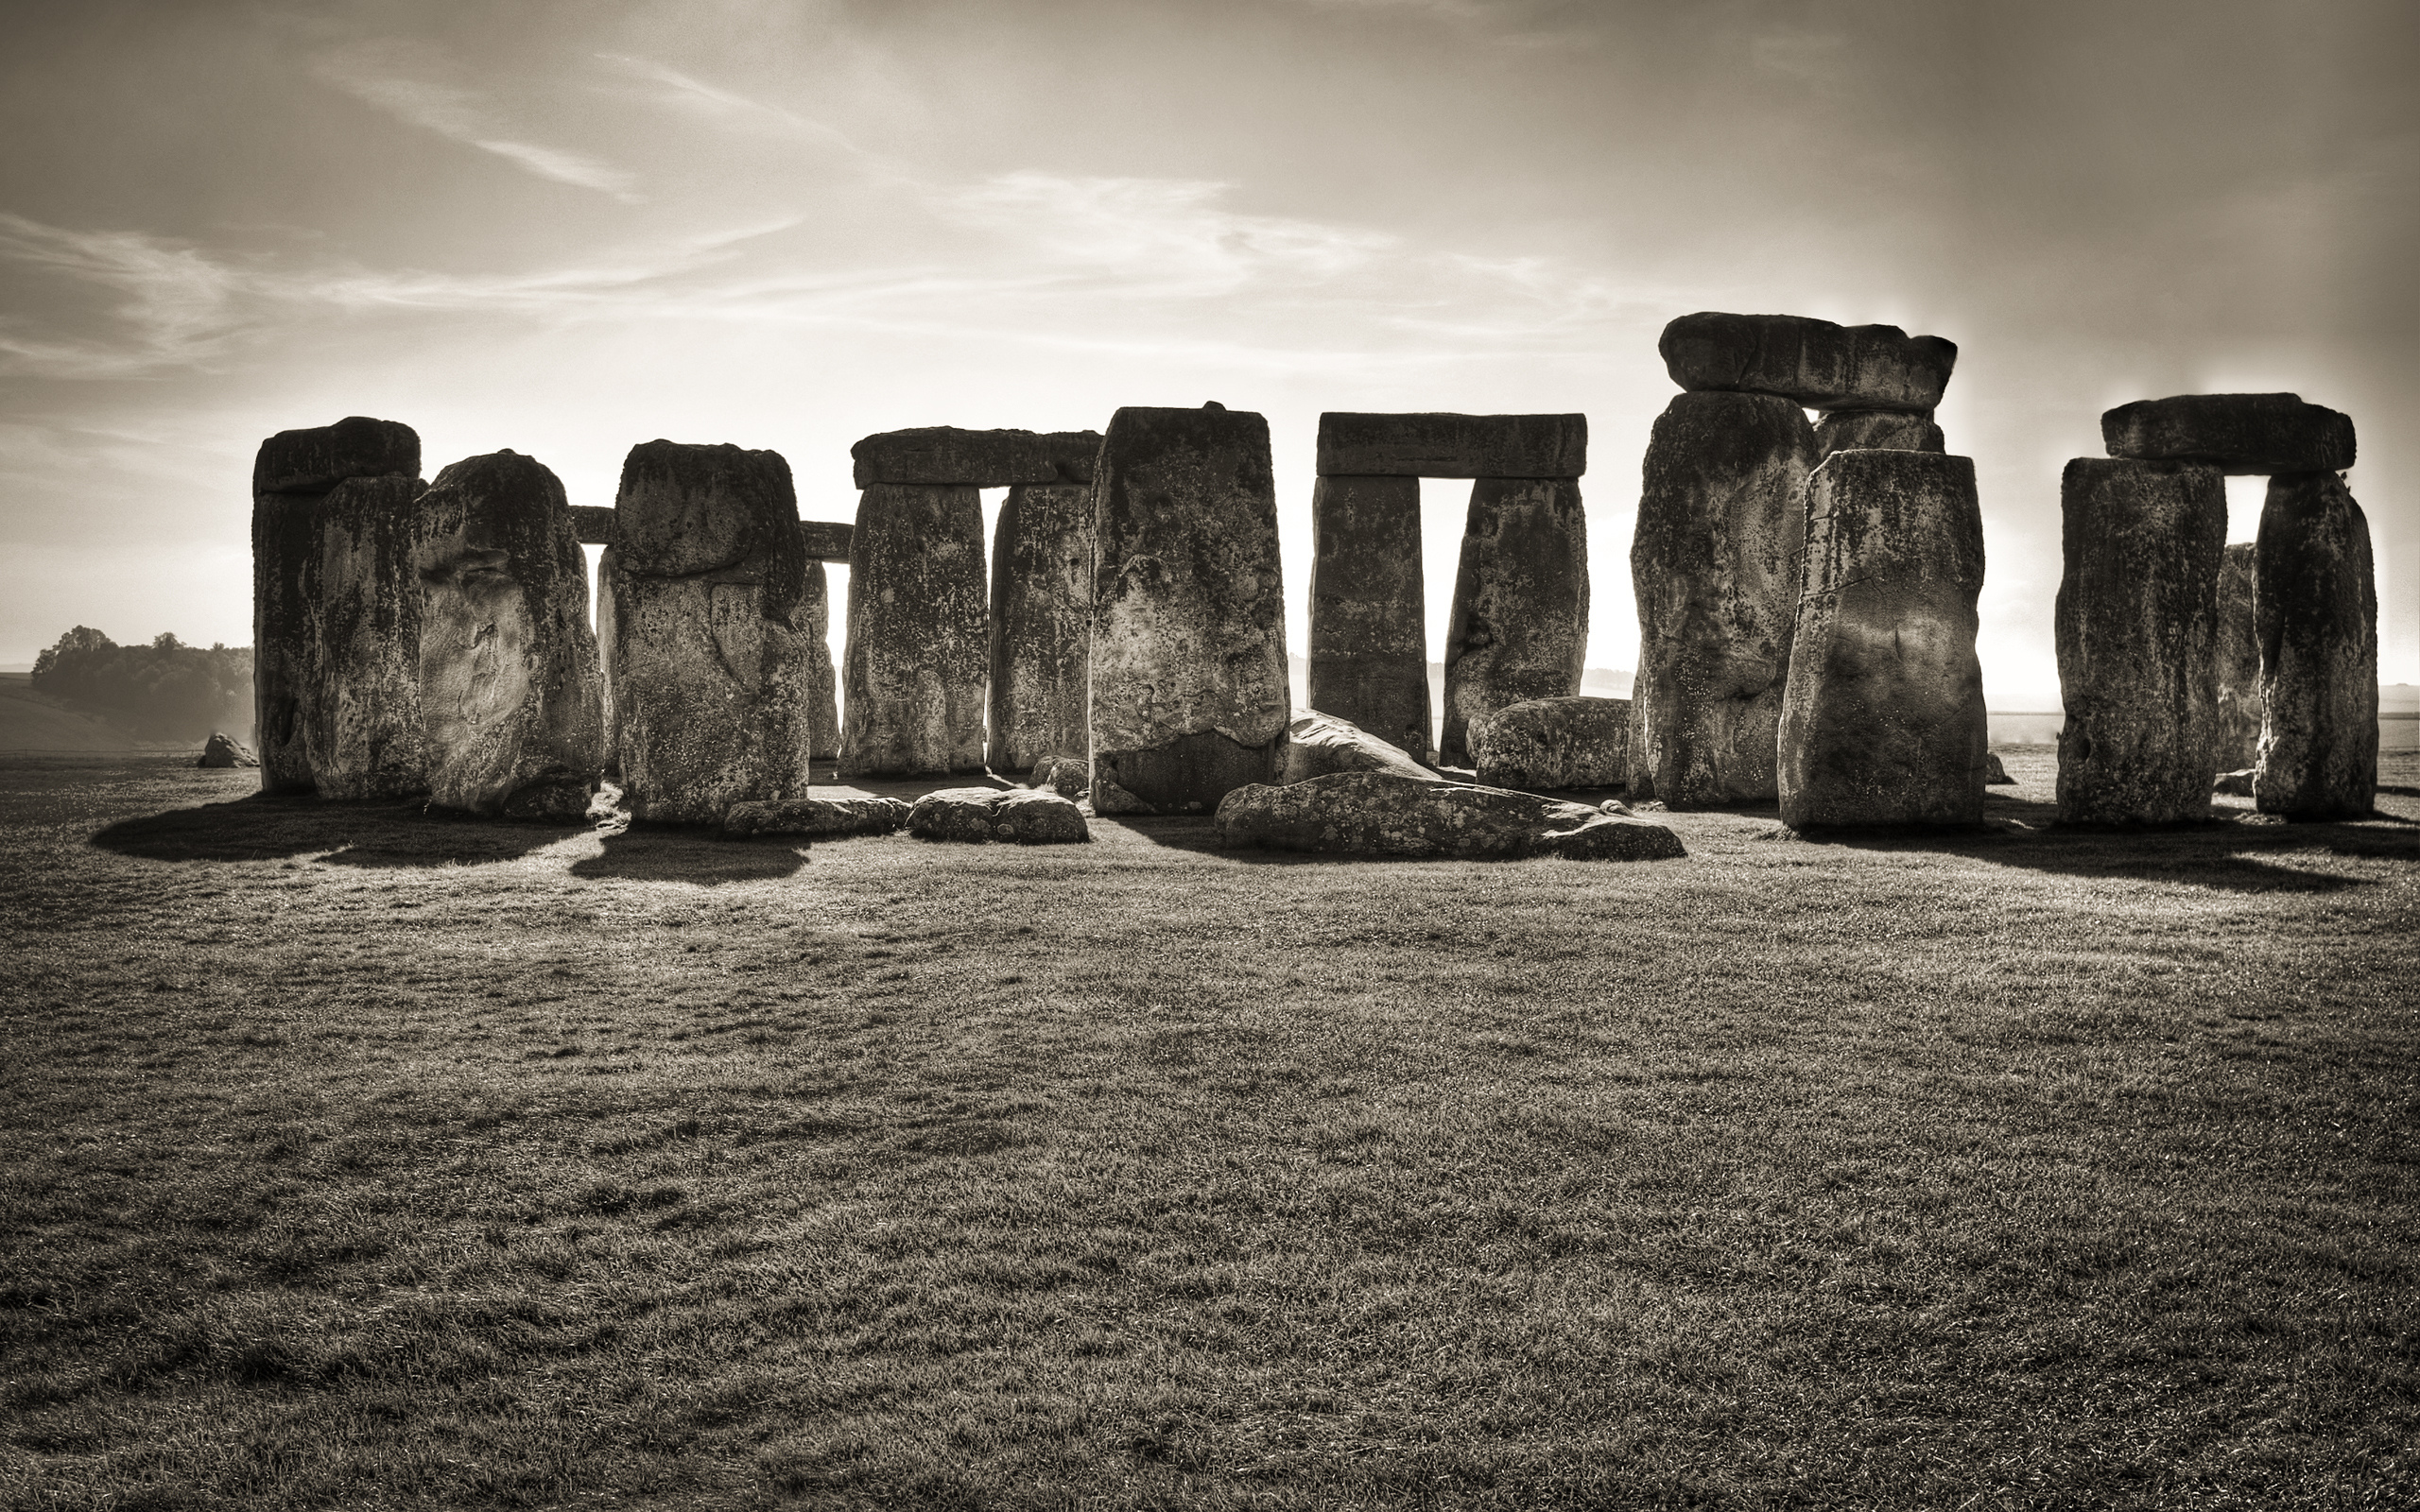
[(357, 1158)]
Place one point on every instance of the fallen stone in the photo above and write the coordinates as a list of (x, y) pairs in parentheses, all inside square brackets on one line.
[(1716, 563), (2241, 432), (222, 750), (1519, 628), (1317, 744), (1067, 776), (1389, 815), (1996, 775), (2136, 628), (948, 456), (1555, 743), (1041, 602), (511, 697), (359, 712), (2234, 784), (977, 814), (815, 817), (1812, 363), (919, 633), (1432, 445), (1108, 798), (2319, 652), (594, 524), (1876, 429), (1190, 690), (2235, 738), (1882, 721), (1368, 619)]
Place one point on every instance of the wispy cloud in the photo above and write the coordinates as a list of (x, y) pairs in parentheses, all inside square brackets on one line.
[(396, 79), (730, 111), (173, 304)]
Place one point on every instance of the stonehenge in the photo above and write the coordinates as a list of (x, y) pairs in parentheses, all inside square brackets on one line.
[(360, 710), (1876, 429), (1041, 626), (1555, 743), (1368, 608), (2243, 434), (2318, 620), (2235, 734), (1386, 814), (1519, 624), (1815, 363)]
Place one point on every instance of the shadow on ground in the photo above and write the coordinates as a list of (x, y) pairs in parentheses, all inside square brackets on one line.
[(2222, 852), (261, 828), (680, 854)]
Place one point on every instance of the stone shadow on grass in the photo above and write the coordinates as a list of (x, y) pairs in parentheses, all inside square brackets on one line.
[(2234, 857), (680, 854), (262, 827)]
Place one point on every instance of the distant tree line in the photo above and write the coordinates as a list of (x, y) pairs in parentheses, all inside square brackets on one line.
[(164, 691)]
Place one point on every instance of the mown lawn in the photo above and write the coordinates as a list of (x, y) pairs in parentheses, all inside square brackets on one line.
[(357, 1158)]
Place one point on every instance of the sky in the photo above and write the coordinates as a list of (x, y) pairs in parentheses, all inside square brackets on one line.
[(566, 228)]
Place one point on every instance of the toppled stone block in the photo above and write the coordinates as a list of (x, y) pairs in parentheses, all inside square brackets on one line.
[(1042, 604), (1018, 817), (1316, 744), (1876, 429), (361, 713), (919, 633), (1996, 775), (1555, 743), (1519, 624), (1716, 563), (2235, 737), (946, 455), (2137, 625), (1369, 618), (2244, 434), (223, 751), (1882, 722), (1067, 776), (815, 817), (593, 524), (1384, 813), (1437, 445), (1812, 363), (315, 460), (2319, 652)]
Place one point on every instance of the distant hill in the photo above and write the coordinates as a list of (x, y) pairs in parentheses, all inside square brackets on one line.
[(35, 723)]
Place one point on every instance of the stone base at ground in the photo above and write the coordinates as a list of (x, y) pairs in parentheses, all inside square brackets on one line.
[(1317, 744), (1381, 813), (1188, 774), (812, 818), (225, 751), (1581, 741), (1519, 624), (1017, 817)]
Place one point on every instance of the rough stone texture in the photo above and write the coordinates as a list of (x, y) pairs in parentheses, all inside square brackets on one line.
[(1519, 624), (512, 701), (1316, 744), (1812, 363), (984, 459), (2241, 432), (917, 633), (824, 540), (1189, 691), (223, 751), (1996, 775), (1436, 445), (2319, 652), (823, 684), (815, 817), (1020, 816), (2136, 623), (1042, 605), (2235, 731), (1108, 798), (2235, 783), (706, 633), (1067, 776), (291, 474), (1385, 813), (1716, 564), (1368, 651), (359, 712), (1882, 723), (1876, 429), (594, 524), (1555, 743)]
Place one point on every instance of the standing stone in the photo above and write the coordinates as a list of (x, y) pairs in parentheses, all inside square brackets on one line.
[(511, 699), (1813, 363), (2319, 652), (1369, 661), (918, 636), (1883, 722), (1519, 625), (1041, 606), (2138, 625), (360, 715), (2245, 434), (822, 694), (1189, 694), (1717, 564), (292, 472), (1876, 429), (707, 637), (2235, 740)]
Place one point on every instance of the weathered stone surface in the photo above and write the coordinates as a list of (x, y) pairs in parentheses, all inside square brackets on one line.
[(1020, 816), (945, 454), (1519, 624), (1369, 611), (2235, 783), (510, 697), (223, 751), (1716, 564), (1042, 605), (359, 713), (594, 524), (1317, 744), (919, 633), (1876, 429), (1812, 363), (2319, 652), (2234, 736), (1385, 813), (706, 633), (1996, 775), (1882, 723), (1067, 776), (1555, 743), (815, 817), (1190, 690), (2136, 623), (1109, 799), (291, 474), (1438, 445), (2243, 433), (824, 540), (822, 693)]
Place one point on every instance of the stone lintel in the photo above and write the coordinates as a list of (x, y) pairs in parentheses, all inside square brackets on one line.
[(1439, 445), (947, 456)]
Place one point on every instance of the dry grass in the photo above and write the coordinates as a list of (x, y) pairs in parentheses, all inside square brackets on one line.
[(353, 1158)]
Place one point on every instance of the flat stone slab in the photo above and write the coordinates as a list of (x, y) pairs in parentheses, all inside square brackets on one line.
[(1580, 741), (1815, 363), (315, 460), (827, 539), (1382, 814), (815, 817), (982, 459), (1439, 445), (2244, 434), (1017, 817), (1317, 744)]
